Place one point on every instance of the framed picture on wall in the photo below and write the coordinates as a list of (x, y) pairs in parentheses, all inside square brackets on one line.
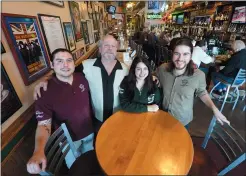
[(2, 49), (52, 31), (95, 23), (10, 102), (56, 3), (90, 31), (27, 46), (85, 32), (68, 29), (76, 20), (96, 36)]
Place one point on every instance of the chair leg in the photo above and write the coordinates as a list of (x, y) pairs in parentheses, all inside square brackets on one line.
[(210, 94), (208, 134), (227, 92), (233, 164), (236, 99)]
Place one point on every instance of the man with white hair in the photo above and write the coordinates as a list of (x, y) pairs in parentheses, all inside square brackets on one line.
[(104, 76), (232, 66)]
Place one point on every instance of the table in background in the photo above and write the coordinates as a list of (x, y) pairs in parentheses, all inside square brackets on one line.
[(144, 144)]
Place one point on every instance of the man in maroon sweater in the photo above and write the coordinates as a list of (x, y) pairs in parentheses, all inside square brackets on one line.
[(66, 101)]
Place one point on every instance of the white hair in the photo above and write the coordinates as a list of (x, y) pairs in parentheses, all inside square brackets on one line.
[(238, 45)]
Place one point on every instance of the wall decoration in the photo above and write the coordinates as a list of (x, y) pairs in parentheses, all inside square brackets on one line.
[(57, 3), (74, 57), (90, 31), (27, 45), (83, 10), (85, 32), (75, 15), (68, 29), (94, 19), (82, 51), (10, 102), (96, 36), (90, 15), (2, 49), (52, 31)]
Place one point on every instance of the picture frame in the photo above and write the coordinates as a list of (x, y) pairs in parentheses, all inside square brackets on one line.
[(52, 31), (2, 49), (85, 32), (76, 20), (69, 33), (94, 19), (96, 36), (10, 101), (90, 31), (27, 45), (56, 3)]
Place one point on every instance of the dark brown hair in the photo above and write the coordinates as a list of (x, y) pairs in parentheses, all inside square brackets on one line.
[(189, 69)]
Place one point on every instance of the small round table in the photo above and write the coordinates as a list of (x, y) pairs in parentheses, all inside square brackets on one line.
[(144, 144)]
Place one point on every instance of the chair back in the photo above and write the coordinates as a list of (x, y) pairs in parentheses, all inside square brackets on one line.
[(240, 78), (57, 147), (229, 141)]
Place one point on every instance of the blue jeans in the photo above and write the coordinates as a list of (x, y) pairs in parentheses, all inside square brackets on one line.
[(223, 77), (82, 145), (230, 80)]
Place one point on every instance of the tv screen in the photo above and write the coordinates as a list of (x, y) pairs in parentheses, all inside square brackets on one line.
[(180, 19), (111, 9), (174, 18), (239, 15), (153, 5)]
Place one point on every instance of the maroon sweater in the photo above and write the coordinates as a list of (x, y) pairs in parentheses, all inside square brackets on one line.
[(69, 104)]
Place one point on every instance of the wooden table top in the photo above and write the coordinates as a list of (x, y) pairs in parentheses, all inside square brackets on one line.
[(144, 143)]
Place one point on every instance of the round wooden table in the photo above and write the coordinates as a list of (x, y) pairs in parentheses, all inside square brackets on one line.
[(144, 144)]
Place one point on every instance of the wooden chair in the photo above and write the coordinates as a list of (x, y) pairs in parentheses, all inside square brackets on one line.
[(228, 141), (57, 147)]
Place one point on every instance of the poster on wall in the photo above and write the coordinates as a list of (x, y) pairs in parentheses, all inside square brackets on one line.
[(76, 20), (27, 46), (90, 31), (10, 102), (68, 29), (52, 31), (85, 32)]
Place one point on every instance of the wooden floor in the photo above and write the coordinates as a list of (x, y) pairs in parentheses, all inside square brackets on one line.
[(15, 165)]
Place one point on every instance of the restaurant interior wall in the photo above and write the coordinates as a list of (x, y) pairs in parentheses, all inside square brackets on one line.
[(25, 93)]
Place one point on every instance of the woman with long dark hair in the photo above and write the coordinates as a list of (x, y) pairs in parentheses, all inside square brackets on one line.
[(138, 92)]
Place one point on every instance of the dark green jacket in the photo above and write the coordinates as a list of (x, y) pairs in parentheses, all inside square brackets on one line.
[(140, 100)]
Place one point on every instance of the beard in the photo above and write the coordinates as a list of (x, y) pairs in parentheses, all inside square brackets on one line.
[(178, 66), (109, 56)]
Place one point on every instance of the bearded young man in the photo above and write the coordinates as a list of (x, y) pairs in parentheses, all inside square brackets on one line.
[(181, 82)]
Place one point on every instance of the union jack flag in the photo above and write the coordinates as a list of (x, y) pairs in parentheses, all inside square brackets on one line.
[(24, 32)]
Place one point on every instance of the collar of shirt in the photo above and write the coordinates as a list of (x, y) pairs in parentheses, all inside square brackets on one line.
[(99, 64), (61, 82)]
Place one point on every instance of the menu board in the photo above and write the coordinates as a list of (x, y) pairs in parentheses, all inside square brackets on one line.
[(239, 15)]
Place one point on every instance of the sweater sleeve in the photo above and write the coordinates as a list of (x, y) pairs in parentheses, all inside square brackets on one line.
[(128, 105)]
